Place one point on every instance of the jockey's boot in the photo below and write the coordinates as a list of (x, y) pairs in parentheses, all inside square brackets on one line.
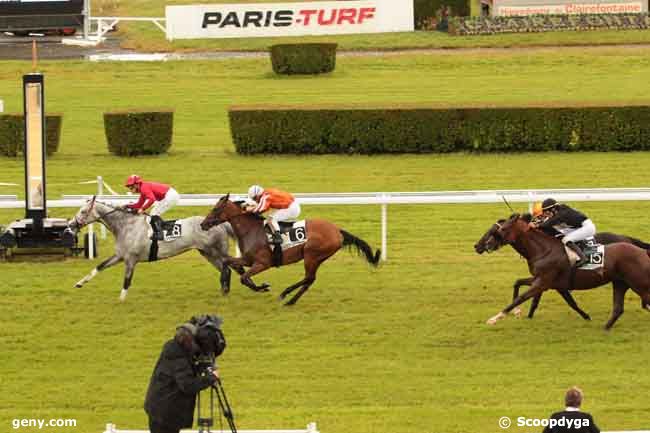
[(582, 257), (276, 240), (156, 224)]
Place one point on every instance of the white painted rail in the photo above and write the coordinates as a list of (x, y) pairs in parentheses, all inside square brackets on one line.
[(311, 428), (383, 199)]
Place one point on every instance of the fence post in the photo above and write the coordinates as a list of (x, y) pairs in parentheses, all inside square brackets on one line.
[(531, 201), (384, 231), (91, 244), (100, 192)]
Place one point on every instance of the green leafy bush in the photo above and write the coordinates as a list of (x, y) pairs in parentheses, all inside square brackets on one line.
[(135, 132), (291, 59), (432, 14), (366, 130), (547, 23), (12, 133)]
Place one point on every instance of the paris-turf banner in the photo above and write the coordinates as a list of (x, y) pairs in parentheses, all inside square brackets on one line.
[(288, 19)]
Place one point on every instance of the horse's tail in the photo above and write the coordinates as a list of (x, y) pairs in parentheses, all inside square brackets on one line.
[(349, 240)]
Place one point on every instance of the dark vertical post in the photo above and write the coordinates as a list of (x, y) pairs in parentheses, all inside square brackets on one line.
[(34, 150)]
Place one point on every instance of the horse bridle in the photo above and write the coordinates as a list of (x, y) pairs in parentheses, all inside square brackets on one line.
[(82, 222)]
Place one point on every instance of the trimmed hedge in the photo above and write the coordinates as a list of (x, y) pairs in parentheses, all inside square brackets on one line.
[(430, 13), (289, 59), (12, 133), (547, 23), (134, 132), (319, 130)]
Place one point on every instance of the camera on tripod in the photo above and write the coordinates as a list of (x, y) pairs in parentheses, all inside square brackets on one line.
[(209, 345)]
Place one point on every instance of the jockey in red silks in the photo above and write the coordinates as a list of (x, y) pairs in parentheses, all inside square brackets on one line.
[(281, 204), (162, 197)]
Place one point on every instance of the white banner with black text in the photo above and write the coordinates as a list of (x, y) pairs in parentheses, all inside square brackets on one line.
[(288, 19)]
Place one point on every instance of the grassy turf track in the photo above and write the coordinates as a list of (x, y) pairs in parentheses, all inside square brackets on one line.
[(402, 348)]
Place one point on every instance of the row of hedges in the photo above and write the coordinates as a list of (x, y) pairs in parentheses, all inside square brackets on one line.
[(12, 133), (430, 13), (546, 23), (314, 130), (127, 133)]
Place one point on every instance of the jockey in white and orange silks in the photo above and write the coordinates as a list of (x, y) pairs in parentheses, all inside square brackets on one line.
[(281, 205)]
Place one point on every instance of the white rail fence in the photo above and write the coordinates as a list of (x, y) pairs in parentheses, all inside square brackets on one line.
[(311, 428), (381, 199)]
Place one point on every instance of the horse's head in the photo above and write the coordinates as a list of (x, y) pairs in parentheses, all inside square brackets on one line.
[(514, 227), (221, 212), (86, 215), (491, 240)]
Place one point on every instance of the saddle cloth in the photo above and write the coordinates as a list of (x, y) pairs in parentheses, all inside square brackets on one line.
[(293, 233), (172, 230), (594, 252)]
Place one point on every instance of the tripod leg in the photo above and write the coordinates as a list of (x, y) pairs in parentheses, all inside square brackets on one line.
[(225, 406)]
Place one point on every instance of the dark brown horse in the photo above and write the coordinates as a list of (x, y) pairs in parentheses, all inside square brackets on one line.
[(492, 241), (625, 265), (323, 240)]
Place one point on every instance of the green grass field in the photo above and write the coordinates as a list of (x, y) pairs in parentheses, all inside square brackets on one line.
[(404, 347)]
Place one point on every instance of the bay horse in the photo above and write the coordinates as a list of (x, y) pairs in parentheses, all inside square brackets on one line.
[(323, 240), (491, 241), (132, 243), (626, 266)]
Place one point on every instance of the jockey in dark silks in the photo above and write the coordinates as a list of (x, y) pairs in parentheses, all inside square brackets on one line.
[(560, 220)]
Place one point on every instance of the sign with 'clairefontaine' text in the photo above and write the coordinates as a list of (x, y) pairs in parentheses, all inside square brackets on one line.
[(288, 19), (564, 7)]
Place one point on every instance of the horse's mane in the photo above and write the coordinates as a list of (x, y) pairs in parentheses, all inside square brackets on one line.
[(253, 215)]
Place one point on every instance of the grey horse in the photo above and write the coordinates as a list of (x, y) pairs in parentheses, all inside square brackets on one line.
[(132, 243)]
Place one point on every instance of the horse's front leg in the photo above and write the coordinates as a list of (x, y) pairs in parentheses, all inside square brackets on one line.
[(515, 292), (255, 269), (128, 276), (566, 295), (238, 264), (103, 265), (536, 288)]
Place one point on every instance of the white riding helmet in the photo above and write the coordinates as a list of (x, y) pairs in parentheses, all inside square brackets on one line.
[(254, 191)]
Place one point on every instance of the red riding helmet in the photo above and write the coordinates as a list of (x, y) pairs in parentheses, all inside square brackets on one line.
[(134, 179)]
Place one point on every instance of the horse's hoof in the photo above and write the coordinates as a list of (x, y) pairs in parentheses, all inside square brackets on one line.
[(264, 287), (587, 317), (225, 291), (517, 313), (491, 322), (78, 286), (123, 294)]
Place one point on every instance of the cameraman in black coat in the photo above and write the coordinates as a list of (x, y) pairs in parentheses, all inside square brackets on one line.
[(174, 384)]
